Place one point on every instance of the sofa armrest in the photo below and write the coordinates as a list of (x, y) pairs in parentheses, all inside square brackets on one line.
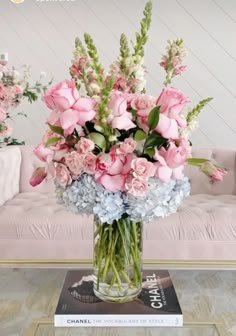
[(10, 164)]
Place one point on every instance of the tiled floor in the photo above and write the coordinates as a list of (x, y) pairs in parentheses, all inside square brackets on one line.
[(30, 295)]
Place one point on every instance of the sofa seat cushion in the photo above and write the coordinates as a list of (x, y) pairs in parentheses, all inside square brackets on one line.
[(37, 216)]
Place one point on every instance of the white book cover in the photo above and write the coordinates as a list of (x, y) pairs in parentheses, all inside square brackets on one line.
[(157, 305)]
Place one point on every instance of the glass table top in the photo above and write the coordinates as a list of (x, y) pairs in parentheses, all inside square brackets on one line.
[(188, 330)]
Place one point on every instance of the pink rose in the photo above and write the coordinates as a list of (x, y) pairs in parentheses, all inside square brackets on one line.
[(143, 104), (89, 163), (142, 168), (112, 170), (38, 176), (170, 162), (167, 127), (85, 145), (3, 114), (128, 146), (137, 187), (85, 110), (63, 177), (62, 96), (172, 102), (214, 172), (73, 161), (119, 118)]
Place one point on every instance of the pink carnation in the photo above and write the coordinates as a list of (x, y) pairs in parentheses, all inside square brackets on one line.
[(89, 163), (85, 145), (143, 104), (128, 146)]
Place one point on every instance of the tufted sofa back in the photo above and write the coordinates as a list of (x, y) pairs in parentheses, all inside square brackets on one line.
[(200, 183)]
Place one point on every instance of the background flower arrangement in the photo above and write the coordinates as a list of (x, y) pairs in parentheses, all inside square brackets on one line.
[(119, 153), (14, 87)]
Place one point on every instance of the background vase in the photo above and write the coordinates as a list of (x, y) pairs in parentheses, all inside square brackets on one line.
[(117, 260)]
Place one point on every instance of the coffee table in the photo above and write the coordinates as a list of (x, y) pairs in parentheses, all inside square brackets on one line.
[(28, 298)]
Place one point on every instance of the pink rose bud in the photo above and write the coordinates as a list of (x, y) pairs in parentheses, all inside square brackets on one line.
[(142, 168), (214, 172), (38, 176)]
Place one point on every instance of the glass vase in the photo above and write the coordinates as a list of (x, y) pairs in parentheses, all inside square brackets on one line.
[(117, 260)]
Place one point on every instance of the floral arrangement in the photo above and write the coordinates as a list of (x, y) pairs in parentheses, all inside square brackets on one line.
[(15, 87), (117, 152)]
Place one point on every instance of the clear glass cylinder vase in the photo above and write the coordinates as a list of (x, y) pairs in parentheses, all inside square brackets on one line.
[(117, 260)]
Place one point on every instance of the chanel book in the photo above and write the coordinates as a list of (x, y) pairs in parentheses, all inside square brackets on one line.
[(156, 305)]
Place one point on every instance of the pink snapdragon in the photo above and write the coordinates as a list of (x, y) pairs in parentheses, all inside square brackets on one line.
[(170, 162), (142, 168), (214, 172), (119, 118)]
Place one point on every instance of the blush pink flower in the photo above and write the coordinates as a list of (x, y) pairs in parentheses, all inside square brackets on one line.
[(3, 114), (85, 145), (137, 187), (172, 101), (143, 104), (38, 176), (112, 170), (89, 163), (214, 172), (63, 177), (119, 118), (170, 162), (43, 153), (142, 168), (128, 146), (62, 96), (6, 130), (73, 161)]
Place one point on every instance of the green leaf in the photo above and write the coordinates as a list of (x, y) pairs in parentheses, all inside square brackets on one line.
[(52, 141), (98, 139), (154, 140), (150, 152), (153, 117), (56, 129), (196, 161), (140, 135)]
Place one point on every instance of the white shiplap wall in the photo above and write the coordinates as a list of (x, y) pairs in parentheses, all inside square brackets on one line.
[(41, 33)]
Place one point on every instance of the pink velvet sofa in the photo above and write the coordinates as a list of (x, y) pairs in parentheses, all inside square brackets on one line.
[(34, 227)]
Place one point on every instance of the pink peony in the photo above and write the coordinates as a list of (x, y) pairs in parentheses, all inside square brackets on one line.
[(89, 163), (171, 162), (85, 145), (137, 187), (63, 177), (119, 118), (62, 96), (3, 114), (128, 146), (73, 161), (38, 176), (142, 168), (215, 173)]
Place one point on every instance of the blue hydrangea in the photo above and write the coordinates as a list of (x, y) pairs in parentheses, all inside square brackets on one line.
[(85, 196)]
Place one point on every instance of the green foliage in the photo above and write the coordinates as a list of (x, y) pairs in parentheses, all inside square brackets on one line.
[(150, 152), (154, 140), (140, 135), (79, 47), (56, 129), (196, 161), (32, 96), (197, 109), (52, 141), (153, 117)]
